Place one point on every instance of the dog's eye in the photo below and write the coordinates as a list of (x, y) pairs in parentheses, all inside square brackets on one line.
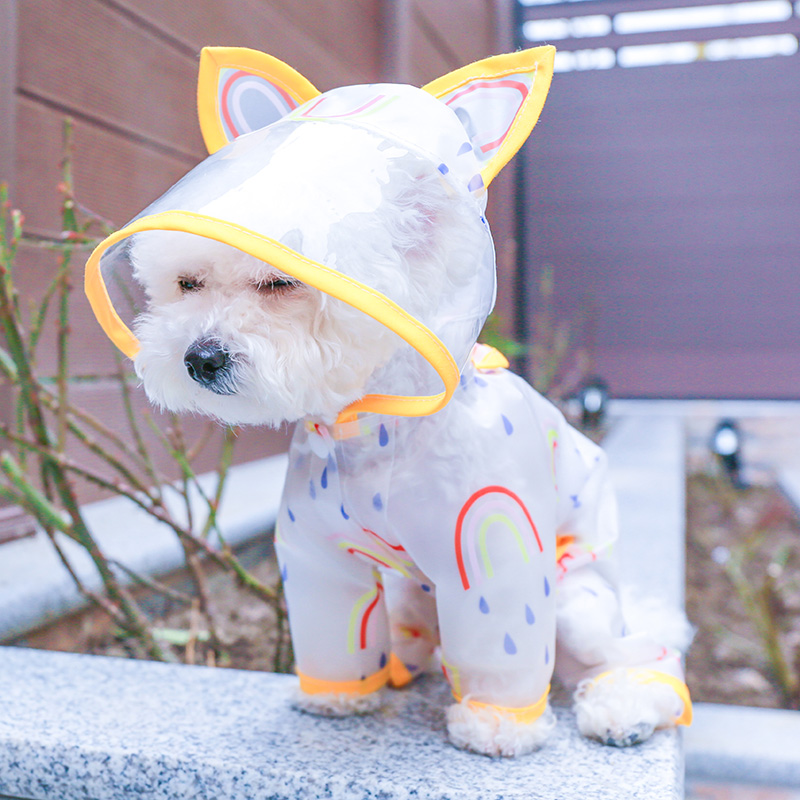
[(276, 285), (189, 284)]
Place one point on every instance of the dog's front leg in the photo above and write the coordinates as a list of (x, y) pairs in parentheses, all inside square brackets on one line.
[(339, 625), (497, 652)]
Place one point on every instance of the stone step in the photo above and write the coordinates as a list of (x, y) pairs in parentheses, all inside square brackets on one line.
[(74, 726)]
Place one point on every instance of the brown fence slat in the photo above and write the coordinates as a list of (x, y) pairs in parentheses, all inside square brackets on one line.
[(82, 56), (666, 198), (258, 25), (347, 29), (114, 177), (462, 32)]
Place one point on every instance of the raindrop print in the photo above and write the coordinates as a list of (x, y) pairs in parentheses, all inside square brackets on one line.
[(480, 381), (483, 606), (382, 662), (377, 502), (284, 573), (575, 502), (546, 654), (465, 148), (332, 464), (475, 183), (289, 512), (529, 618), (425, 587), (507, 424), (546, 588), (312, 490), (509, 646), (323, 481), (344, 513), (383, 436), (443, 169)]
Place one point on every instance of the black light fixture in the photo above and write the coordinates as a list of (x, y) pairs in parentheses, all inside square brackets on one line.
[(593, 398), (726, 444)]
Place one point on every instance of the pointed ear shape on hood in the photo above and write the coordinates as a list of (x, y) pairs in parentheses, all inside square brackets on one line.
[(241, 90), (498, 100)]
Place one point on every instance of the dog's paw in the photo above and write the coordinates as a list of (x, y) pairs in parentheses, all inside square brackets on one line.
[(623, 707), (490, 732), (337, 705)]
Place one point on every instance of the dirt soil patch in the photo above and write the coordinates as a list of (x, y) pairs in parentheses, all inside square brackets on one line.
[(742, 593), (245, 624)]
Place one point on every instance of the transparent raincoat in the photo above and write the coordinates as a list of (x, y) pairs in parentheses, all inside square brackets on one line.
[(455, 505)]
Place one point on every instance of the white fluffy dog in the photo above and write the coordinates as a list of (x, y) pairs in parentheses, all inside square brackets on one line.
[(333, 268)]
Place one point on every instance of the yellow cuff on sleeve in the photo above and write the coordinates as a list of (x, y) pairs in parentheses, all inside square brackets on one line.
[(367, 685), (524, 715)]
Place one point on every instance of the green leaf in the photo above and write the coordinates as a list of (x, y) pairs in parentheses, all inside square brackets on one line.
[(180, 637)]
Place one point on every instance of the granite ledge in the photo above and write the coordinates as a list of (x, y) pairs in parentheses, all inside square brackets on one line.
[(77, 727)]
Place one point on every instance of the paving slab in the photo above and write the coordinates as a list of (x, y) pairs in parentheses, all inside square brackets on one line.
[(749, 745), (646, 458)]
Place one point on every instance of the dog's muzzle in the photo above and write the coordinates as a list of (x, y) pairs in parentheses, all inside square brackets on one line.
[(210, 364)]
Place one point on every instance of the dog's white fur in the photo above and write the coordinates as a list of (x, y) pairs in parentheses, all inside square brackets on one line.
[(296, 352), (300, 353)]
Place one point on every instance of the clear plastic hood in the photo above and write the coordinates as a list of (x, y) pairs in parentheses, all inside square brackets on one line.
[(372, 195)]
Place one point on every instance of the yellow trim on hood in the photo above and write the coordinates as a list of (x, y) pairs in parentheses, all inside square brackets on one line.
[(355, 293), (214, 59), (537, 62)]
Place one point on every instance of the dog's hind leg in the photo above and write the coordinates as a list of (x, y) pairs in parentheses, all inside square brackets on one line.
[(414, 626), (628, 682)]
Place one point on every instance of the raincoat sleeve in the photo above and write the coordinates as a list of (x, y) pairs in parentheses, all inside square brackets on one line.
[(336, 603)]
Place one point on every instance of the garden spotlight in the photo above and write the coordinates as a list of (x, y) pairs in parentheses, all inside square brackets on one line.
[(594, 403), (726, 445)]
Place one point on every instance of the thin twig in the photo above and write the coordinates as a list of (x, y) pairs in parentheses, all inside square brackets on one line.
[(152, 583), (133, 425)]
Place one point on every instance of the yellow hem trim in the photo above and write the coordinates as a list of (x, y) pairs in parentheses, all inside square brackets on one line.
[(355, 293), (369, 685), (654, 676), (524, 715)]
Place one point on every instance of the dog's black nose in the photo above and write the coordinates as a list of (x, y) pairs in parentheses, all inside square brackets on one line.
[(208, 363)]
